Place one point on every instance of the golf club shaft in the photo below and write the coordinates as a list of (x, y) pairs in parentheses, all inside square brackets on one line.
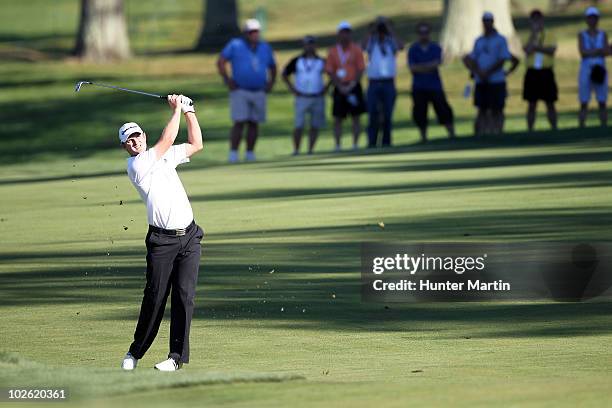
[(128, 90), (79, 84)]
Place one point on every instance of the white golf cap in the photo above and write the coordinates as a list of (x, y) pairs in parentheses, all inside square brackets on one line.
[(344, 25), (127, 130), (591, 11), (252, 25), (487, 15)]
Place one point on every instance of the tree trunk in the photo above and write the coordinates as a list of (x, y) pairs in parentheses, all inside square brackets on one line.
[(102, 34), (463, 24), (220, 24)]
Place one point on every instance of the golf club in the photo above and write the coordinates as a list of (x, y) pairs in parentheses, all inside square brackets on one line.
[(79, 84)]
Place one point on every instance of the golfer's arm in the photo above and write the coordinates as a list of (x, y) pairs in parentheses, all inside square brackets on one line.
[(194, 134), (169, 134)]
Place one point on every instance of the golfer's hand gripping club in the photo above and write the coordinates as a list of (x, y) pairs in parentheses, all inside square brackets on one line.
[(188, 102), (175, 102), (187, 105)]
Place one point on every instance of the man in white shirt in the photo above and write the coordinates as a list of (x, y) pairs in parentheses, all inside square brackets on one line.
[(173, 240), (309, 89), (381, 46)]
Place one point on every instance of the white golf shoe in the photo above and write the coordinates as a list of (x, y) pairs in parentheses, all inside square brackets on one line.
[(129, 362), (168, 365)]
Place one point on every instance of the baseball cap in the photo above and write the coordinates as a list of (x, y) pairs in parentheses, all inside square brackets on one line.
[(591, 11), (127, 130), (344, 25), (308, 39), (252, 25), (487, 15)]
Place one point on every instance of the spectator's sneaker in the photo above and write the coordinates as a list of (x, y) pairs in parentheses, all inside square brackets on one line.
[(168, 365), (355, 146), (249, 156), (129, 362), (295, 153), (233, 156), (338, 149)]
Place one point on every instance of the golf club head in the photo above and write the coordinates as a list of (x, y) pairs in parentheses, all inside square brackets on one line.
[(77, 88)]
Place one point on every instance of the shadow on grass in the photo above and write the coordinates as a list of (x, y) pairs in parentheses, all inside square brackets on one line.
[(339, 161), (580, 179), (313, 282)]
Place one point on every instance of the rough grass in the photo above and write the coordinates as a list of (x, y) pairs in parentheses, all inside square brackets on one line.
[(86, 382)]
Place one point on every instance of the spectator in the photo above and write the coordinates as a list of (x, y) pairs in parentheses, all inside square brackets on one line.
[(424, 59), (381, 46), (486, 64), (253, 76), (345, 65), (539, 82), (309, 90), (593, 46)]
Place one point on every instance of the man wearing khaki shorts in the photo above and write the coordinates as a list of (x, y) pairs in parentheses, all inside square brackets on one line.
[(253, 75), (309, 89)]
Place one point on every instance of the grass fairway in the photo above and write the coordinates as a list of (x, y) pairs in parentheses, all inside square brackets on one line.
[(279, 320), (279, 284)]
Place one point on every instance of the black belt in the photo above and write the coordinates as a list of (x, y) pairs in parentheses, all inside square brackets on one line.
[(179, 232)]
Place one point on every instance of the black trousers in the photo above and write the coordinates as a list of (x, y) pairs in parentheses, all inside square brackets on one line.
[(172, 265), (421, 101)]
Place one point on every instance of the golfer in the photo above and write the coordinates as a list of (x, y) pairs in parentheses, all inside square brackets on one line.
[(173, 240)]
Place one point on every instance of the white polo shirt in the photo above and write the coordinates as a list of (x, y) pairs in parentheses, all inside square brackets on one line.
[(308, 74), (160, 186)]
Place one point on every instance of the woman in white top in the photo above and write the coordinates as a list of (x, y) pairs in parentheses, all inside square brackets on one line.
[(593, 76)]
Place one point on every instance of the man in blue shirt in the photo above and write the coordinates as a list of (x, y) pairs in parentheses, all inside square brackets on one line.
[(486, 65), (424, 58), (253, 76)]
